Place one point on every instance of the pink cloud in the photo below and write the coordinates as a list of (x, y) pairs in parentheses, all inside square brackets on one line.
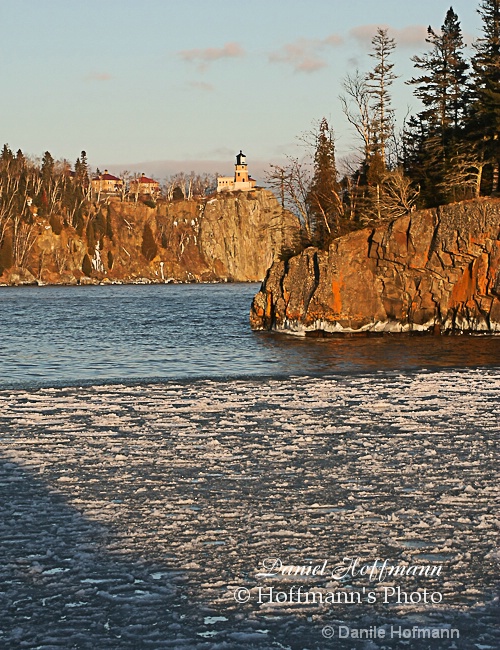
[(304, 53), (410, 36), (310, 64), (413, 35), (98, 76), (210, 54), (202, 85)]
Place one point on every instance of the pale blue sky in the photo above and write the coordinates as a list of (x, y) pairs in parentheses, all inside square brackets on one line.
[(142, 81)]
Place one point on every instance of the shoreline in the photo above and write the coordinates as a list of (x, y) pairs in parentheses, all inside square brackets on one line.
[(139, 282)]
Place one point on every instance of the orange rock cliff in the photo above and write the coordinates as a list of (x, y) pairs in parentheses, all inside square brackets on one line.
[(431, 271), (233, 236)]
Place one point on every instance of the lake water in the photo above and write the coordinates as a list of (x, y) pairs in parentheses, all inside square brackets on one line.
[(157, 458), (56, 336)]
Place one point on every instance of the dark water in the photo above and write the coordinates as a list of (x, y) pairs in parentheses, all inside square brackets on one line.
[(54, 336)]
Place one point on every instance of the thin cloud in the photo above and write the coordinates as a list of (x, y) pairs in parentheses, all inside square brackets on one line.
[(410, 36), (98, 76), (202, 85), (203, 57), (310, 64), (304, 54)]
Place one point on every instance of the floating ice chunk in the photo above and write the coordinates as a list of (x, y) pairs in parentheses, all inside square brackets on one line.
[(211, 620)]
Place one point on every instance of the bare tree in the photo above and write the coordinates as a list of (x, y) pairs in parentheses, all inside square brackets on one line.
[(463, 175), (356, 107), (134, 186), (398, 196), (26, 238), (292, 181), (61, 258), (125, 176)]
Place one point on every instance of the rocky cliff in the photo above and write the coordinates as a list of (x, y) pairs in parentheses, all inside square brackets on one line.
[(432, 271), (228, 237)]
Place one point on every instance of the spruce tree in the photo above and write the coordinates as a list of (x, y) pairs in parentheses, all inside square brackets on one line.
[(6, 254), (87, 266), (443, 88), (485, 112), (375, 166), (47, 167), (6, 156), (378, 82), (149, 247), (323, 198)]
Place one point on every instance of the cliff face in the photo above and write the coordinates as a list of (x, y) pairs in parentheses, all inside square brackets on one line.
[(231, 237), (434, 270)]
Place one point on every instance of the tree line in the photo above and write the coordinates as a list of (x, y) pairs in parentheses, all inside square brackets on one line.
[(34, 191), (30, 188), (448, 151)]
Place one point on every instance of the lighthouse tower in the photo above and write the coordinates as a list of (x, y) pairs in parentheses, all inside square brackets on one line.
[(241, 169), (240, 181)]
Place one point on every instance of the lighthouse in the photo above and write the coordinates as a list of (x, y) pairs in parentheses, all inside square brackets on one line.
[(241, 169), (241, 179)]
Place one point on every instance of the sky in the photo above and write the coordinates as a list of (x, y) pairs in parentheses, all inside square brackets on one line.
[(161, 86)]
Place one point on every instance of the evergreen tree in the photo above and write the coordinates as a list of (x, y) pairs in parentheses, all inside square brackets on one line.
[(6, 156), (378, 82), (443, 88), (90, 236), (109, 226), (323, 197), (439, 163), (81, 177), (84, 163), (47, 167), (6, 256), (149, 247), (87, 266), (20, 159), (485, 112)]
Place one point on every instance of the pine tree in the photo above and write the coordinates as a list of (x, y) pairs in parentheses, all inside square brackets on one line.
[(375, 165), (6, 156), (445, 92), (6, 256), (47, 167), (81, 178), (90, 236), (109, 226), (20, 159), (378, 82), (86, 265), (323, 198), (149, 247), (443, 88), (485, 113)]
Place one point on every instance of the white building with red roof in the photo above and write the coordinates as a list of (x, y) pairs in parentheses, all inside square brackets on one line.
[(144, 186), (106, 184)]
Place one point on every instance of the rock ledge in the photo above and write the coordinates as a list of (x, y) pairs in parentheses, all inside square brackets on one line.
[(434, 271)]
